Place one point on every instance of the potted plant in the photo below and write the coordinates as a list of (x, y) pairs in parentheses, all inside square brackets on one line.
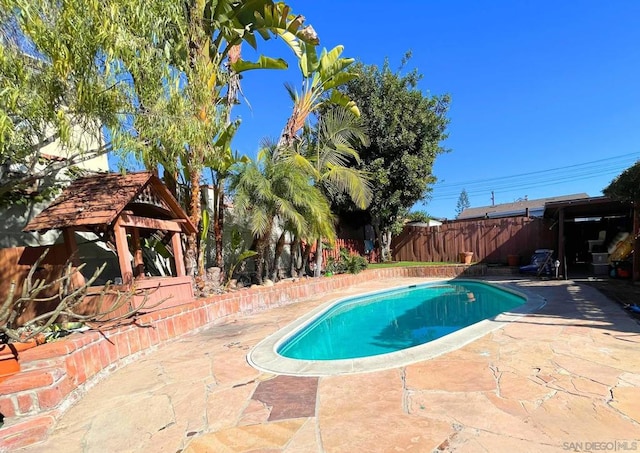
[(465, 257), (9, 355), (513, 260), (8, 361)]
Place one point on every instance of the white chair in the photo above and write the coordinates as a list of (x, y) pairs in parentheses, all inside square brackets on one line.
[(595, 242)]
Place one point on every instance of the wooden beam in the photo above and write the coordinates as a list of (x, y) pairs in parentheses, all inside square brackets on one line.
[(149, 223), (176, 244), (122, 249)]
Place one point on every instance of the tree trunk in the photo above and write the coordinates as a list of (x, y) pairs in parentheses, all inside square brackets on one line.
[(171, 180), (262, 244), (384, 237), (233, 87), (195, 213), (318, 270), (302, 270), (218, 221), (276, 256), (261, 247), (295, 246), (386, 247)]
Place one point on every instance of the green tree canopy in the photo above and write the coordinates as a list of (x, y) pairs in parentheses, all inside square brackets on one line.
[(55, 90), (406, 129), (418, 216), (625, 186)]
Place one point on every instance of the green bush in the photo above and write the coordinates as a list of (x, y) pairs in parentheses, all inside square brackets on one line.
[(353, 264), (335, 266), (346, 263)]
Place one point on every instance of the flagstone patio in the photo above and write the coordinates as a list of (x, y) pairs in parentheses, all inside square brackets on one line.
[(566, 378)]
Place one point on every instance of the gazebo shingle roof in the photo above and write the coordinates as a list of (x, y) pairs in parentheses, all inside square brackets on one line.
[(99, 199)]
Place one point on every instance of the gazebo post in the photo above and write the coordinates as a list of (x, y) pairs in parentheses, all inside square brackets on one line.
[(71, 247), (70, 244), (176, 244), (122, 249), (138, 262)]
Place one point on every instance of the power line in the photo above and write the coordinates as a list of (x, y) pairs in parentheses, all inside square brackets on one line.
[(520, 187), (617, 163), (540, 181), (544, 178)]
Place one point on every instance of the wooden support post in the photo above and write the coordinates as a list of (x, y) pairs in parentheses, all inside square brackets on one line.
[(70, 244), (71, 248), (176, 244), (561, 257), (122, 249), (635, 273), (138, 262)]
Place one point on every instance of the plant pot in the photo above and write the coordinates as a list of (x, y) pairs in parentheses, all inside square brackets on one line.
[(465, 257), (8, 366), (9, 355), (513, 260)]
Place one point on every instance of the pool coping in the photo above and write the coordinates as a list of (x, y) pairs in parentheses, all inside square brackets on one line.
[(265, 358)]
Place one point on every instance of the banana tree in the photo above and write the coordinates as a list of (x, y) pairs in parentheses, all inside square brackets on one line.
[(217, 28), (321, 75)]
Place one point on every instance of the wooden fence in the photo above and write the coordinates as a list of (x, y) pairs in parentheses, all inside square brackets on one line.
[(355, 247), (490, 240)]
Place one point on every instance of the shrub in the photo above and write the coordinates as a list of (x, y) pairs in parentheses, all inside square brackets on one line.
[(353, 264), (335, 266)]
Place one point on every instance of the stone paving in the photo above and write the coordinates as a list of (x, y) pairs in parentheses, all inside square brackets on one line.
[(566, 378)]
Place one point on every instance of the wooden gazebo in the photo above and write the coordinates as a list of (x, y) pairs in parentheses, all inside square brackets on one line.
[(120, 209)]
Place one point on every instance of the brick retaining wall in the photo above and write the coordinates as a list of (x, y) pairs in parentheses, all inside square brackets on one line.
[(55, 375)]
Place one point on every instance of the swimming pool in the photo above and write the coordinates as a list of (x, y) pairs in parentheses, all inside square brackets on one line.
[(401, 318), (390, 328)]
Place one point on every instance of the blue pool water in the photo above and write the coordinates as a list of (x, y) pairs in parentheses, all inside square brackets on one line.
[(398, 319)]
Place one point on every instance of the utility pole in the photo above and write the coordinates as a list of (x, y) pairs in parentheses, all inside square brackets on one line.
[(493, 199)]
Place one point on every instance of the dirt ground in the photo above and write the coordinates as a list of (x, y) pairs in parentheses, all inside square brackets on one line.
[(623, 292)]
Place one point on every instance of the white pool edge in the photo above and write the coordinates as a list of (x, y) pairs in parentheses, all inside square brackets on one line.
[(264, 355)]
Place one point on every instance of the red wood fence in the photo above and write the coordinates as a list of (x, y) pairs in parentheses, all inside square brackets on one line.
[(490, 240), (353, 245)]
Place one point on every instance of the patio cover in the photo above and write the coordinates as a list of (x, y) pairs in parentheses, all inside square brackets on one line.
[(594, 207)]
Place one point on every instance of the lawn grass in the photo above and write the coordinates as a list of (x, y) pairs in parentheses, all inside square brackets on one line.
[(406, 264)]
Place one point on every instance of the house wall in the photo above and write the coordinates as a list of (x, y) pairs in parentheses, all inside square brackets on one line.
[(16, 217), (491, 240)]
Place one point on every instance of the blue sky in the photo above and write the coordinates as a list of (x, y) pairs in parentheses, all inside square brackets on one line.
[(545, 95)]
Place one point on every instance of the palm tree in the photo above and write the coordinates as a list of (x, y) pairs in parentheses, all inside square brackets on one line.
[(330, 160), (321, 76), (269, 191)]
